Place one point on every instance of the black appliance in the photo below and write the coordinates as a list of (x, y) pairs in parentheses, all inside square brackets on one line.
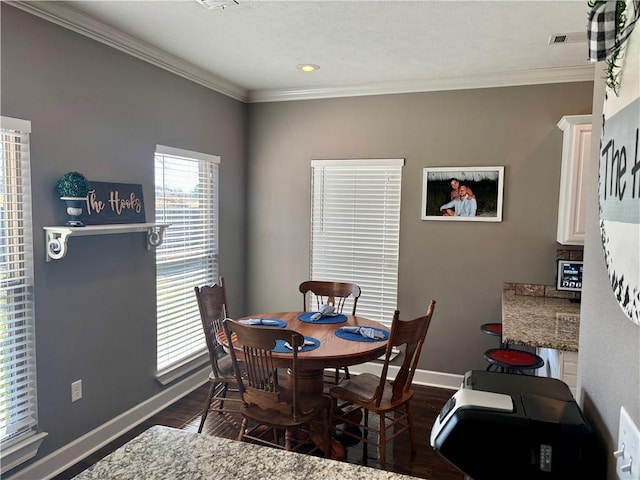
[(507, 426), (569, 275)]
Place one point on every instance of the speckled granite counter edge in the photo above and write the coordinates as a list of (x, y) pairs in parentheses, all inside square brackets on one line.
[(536, 315), (168, 453)]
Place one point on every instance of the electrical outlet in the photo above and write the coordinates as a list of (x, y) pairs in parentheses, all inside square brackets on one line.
[(628, 452), (76, 390)]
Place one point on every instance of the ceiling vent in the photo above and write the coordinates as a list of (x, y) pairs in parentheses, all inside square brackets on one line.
[(213, 4), (575, 37)]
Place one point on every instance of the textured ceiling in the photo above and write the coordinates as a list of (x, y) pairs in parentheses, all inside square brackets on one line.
[(359, 45)]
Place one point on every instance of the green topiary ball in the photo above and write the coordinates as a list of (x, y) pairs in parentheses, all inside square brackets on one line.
[(73, 184)]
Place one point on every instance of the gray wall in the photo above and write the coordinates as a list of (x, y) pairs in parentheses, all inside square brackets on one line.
[(102, 112), (609, 360), (463, 264)]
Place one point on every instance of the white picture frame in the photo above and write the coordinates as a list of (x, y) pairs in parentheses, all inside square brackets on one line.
[(485, 184)]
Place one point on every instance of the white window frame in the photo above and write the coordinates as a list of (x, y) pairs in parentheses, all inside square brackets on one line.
[(188, 257), (19, 437), (355, 229)]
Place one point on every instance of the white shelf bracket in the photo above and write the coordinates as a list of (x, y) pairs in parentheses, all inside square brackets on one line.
[(155, 236), (56, 243)]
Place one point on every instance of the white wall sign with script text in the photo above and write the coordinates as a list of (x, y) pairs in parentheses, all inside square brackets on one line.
[(619, 182), (109, 203)]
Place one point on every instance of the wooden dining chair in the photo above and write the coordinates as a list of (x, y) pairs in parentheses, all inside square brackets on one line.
[(267, 403), (330, 293), (389, 399), (212, 303), (316, 293)]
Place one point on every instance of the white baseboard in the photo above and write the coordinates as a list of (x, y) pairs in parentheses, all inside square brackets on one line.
[(63, 458), (70, 454)]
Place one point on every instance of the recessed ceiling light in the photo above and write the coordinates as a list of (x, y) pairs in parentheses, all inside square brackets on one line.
[(309, 67), (214, 4)]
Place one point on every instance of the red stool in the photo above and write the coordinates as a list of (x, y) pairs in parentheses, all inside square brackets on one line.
[(512, 360), (494, 329)]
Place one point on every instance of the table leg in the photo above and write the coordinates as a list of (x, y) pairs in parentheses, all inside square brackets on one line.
[(309, 381), (312, 381)]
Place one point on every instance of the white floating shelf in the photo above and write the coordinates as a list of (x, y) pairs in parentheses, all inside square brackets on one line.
[(56, 237)]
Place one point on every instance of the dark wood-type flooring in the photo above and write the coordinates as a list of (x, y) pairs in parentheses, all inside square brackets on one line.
[(185, 414)]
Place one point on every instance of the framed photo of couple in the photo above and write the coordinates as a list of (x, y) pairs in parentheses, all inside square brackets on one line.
[(472, 194)]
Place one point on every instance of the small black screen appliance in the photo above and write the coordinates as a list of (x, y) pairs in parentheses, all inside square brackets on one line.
[(508, 426)]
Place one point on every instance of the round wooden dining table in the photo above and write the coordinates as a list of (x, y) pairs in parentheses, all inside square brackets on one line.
[(333, 351)]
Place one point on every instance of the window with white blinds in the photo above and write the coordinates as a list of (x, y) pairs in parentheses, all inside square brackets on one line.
[(186, 188), (355, 229), (18, 406)]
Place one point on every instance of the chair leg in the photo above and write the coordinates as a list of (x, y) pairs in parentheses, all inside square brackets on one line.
[(287, 439), (207, 406), (382, 441), (365, 433), (242, 429), (223, 395), (365, 436), (412, 435), (346, 374), (332, 416)]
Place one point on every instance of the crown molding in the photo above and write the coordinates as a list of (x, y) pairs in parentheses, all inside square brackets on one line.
[(66, 16), (500, 79), (70, 18)]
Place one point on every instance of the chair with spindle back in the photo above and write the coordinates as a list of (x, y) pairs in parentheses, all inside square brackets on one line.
[(265, 401), (389, 399), (212, 303), (335, 294)]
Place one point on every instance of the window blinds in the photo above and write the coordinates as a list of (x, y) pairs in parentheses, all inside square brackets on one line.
[(18, 413), (355, 228), (186, 198)]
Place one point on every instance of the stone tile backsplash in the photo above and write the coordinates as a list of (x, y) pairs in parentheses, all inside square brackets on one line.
[(564, 254), (536, 290)]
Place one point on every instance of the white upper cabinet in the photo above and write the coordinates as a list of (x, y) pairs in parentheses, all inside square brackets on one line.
[(576, 146)]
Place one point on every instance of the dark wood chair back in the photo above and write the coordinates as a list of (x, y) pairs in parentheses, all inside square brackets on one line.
[(389, 399), (411, 334), (259, 386), (331, 293), (212, 302)]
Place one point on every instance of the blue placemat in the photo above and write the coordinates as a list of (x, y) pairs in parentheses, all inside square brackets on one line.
[(306, 317), (356, 337), (280, 348), (280, 323)]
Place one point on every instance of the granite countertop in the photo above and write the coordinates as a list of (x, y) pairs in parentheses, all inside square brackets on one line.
[(540, 321), (168, 453)]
